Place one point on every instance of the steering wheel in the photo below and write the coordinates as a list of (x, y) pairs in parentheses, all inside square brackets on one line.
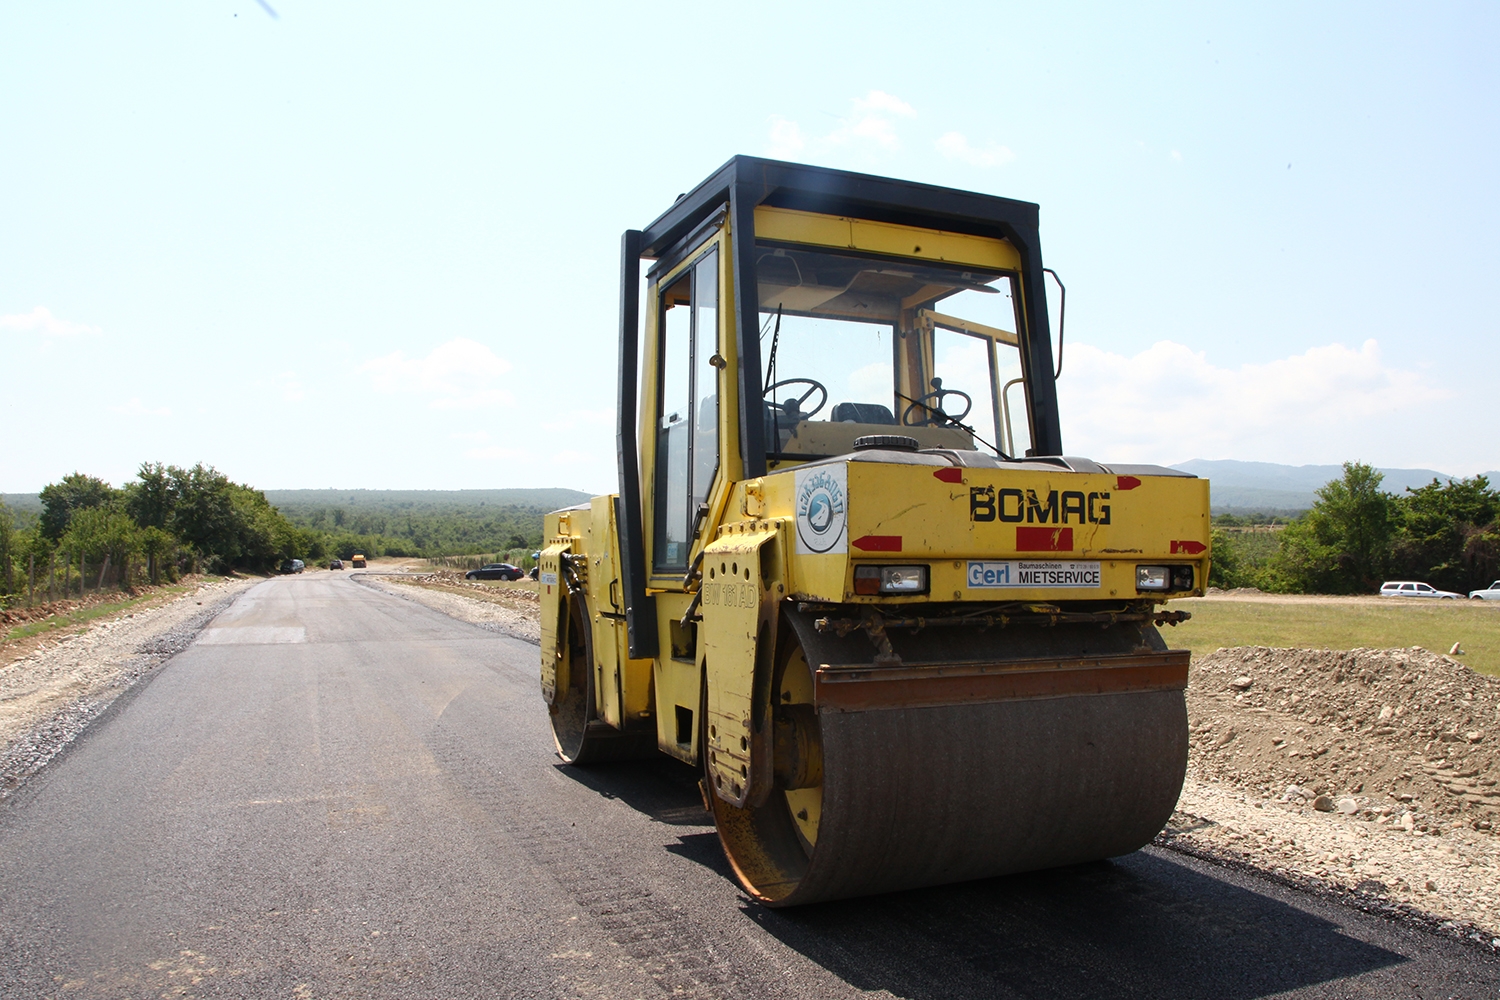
[(934, 412), (793, 407)]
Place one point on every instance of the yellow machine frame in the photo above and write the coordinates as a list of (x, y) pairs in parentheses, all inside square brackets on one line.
[(638, 658)]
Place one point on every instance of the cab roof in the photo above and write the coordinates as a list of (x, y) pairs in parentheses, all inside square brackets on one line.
[(779, 184)]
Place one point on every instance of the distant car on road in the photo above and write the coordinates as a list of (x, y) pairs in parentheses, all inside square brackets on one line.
[(495, 571), (1411, 588), (292, 566), (1490, 593), (358, 561), (335, 564)]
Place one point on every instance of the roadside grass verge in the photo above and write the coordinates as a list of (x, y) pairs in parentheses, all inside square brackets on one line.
[(1435, 626), (82, 616)]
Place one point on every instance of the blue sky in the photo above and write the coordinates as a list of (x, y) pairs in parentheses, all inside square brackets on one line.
[(374, 245)]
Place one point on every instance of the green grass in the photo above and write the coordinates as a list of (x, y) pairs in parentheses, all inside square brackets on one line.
[(1435, 626), (81, 616)]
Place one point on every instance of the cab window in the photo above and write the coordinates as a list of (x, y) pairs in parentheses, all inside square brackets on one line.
[(857, 344), (687, 423)]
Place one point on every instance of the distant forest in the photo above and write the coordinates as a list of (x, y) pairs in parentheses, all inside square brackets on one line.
[(1357, 535), (169, 520), (421, 522)]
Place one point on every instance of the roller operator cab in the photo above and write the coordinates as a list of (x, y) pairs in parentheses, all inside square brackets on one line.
[(849, 572)]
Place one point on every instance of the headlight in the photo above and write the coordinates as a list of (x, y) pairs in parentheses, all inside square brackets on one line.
[(1152, 577), (890, 579), (1164, 578)]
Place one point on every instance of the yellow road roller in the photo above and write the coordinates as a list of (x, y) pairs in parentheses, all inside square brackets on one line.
[(850, 573)]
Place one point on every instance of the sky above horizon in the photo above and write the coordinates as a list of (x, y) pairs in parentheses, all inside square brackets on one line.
[(376, 246)]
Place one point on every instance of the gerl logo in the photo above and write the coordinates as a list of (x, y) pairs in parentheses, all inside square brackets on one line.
[(822, 501)]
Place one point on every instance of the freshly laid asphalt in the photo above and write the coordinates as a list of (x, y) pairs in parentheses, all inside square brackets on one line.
[(340, 793)]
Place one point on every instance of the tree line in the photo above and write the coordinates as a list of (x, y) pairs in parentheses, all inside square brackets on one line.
[(166, 522), (169, 521), (1357, 535)]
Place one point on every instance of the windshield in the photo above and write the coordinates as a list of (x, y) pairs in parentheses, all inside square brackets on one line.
[(856, 345)]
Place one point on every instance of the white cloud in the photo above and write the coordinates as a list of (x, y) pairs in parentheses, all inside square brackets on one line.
[(459, 375), (873, 119), (879, 100), (41, 318), (956, 146), (787, 142), (870, 124), (135, 408), (1169, 404)]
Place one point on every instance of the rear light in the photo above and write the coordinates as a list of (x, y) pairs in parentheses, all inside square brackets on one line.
[(1164, 578), (890, 579)]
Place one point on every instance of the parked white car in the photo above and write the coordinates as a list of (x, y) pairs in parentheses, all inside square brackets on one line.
[(1410, 588), (1490, 593)]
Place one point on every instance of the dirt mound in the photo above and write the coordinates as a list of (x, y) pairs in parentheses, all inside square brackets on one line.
[(20, 615), (1404, 735), (481, 589)]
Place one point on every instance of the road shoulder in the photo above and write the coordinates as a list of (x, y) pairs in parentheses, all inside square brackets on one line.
[(65, 680), (509, 612)]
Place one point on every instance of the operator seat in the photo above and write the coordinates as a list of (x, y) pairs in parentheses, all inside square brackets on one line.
[(862, 413)]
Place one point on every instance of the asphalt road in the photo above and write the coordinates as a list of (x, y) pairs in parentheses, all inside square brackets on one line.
[(337, 792)]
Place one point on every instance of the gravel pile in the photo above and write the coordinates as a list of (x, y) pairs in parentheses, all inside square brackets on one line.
[(11, 617), (1367, 773), (50, 694), (1365, 729), (515, 596)]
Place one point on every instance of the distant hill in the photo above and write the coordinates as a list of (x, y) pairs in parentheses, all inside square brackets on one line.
[(30, 503), (425, 501), (1243, 487), (427, 522)]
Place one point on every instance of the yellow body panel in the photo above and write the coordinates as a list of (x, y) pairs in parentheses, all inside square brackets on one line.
[(742, 591), (1022, 532), (791, 226), (904, 514), (622, 686), (552, 597)]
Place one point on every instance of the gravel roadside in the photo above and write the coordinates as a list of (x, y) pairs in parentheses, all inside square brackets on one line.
[(52, 692), (1366, 773), (509, 612)]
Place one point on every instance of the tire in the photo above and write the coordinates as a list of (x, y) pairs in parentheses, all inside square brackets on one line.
[(580, 735)]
